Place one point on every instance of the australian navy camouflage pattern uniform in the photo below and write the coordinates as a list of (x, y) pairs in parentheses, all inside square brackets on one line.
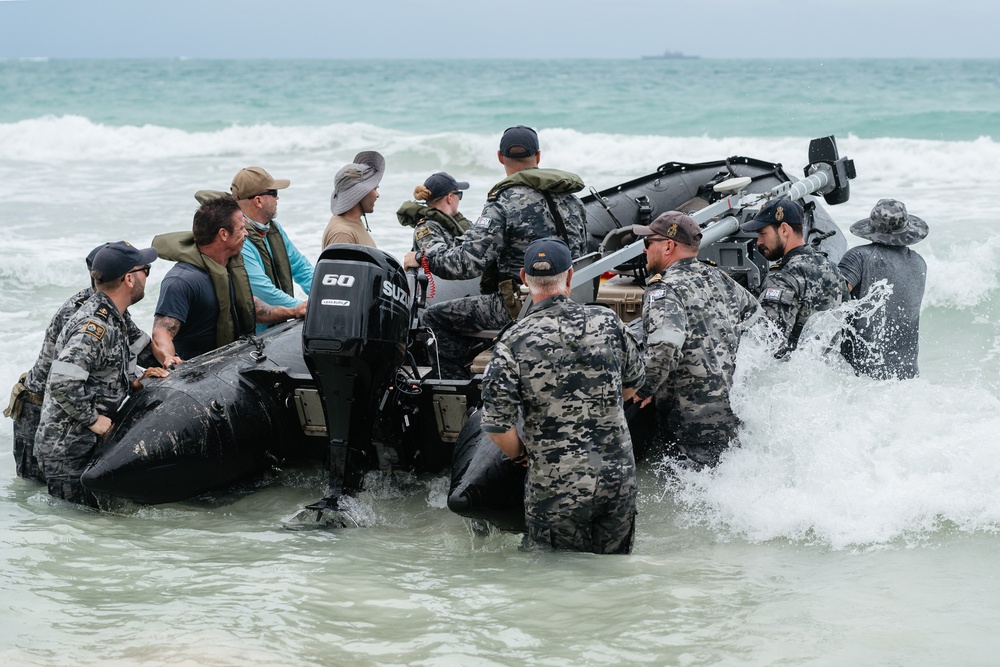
[(32, 388), (693, 316), (90, 375), (514, 216), (431, 227), (563, 367), (803, 282)]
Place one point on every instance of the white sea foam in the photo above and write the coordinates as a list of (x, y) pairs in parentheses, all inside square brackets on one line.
[(845, 461)]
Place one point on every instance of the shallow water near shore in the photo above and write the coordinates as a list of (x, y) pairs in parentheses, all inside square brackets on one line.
[(857, 523)]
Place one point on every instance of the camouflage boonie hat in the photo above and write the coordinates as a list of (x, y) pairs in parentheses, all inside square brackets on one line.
[(890, 224)]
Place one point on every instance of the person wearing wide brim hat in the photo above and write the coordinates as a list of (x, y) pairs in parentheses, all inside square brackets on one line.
[(355, 189), (883, 342), (890, 224)]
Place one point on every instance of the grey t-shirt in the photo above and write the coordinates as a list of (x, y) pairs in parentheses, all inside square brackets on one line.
[(885, 344)]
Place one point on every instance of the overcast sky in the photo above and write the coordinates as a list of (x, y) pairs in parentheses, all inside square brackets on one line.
[(498, 29)]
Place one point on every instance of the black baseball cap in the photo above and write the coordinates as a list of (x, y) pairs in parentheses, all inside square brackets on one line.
[(547, 257), (519, 141), (775, 212), (93, 254), (442, 183), (116, 259)]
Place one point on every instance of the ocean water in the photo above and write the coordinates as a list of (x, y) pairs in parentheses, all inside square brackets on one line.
[(857, 524)]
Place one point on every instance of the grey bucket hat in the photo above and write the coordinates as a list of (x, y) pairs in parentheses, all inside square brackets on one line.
[(890, 224), (356, 180)]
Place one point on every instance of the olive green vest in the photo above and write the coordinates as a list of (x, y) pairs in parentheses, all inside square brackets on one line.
[(235, 319), (276, 263), (555, 181), (411, 213)]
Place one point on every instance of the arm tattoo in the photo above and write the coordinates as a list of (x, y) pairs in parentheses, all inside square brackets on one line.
[(170, 324)]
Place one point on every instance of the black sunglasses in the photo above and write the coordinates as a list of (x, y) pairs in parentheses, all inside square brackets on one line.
[(267, 193), (646, 241), (458, 193), (144, 269)]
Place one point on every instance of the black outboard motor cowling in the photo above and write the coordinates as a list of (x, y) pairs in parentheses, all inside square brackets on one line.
[(353, 340)]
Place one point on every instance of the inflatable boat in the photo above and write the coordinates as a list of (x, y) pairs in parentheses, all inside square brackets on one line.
[(343, 385)]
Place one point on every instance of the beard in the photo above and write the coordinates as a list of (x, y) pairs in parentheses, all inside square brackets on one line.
[(138, 291), (775, 253)]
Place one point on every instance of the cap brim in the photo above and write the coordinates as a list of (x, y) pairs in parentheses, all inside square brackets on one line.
[(643, 230), (754, 225), (279, 184), (461, 185), (148, 255)]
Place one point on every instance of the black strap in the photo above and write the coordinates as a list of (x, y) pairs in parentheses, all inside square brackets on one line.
[(556, 217)]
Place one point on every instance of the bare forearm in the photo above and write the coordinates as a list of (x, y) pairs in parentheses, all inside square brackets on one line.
[(267, 314), (164, 331)]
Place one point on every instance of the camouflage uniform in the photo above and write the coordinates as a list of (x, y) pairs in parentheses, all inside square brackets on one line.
[(693, 316), (508, 224), (563, 368), (803, 282), (26, 424), (431, 226), (90, 376)]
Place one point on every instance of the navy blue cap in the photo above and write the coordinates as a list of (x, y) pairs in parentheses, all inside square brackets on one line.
[(775, 212), (116, 259), (442, 183), (547, 257), (519, 141), (93, 254)]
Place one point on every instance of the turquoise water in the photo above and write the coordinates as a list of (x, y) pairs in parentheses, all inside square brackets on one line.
[(916, 99), (858, 522)]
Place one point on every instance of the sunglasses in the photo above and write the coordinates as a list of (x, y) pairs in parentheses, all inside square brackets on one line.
[(144, 269), (649, 240), (267, 193), (458, 193)]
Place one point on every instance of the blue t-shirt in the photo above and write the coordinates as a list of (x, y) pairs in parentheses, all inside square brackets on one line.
[(188, 295)]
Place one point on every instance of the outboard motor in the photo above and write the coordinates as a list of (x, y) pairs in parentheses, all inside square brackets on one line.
[(353, 340)]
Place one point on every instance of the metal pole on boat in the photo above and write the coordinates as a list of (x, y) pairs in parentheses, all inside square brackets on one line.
[(736, 206)]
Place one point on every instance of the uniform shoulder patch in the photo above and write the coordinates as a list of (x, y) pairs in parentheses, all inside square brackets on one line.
[(771, 294), (102, 313), (482, 222), (657, 294), (422, 231), (95, 329)]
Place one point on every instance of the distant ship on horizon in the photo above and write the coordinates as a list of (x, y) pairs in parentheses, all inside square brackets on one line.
[(671, 55)]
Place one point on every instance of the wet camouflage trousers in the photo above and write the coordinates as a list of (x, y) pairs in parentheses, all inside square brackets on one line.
[(25, 427), (62, 471), (452, 321), (604, 525), (693, 433)]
